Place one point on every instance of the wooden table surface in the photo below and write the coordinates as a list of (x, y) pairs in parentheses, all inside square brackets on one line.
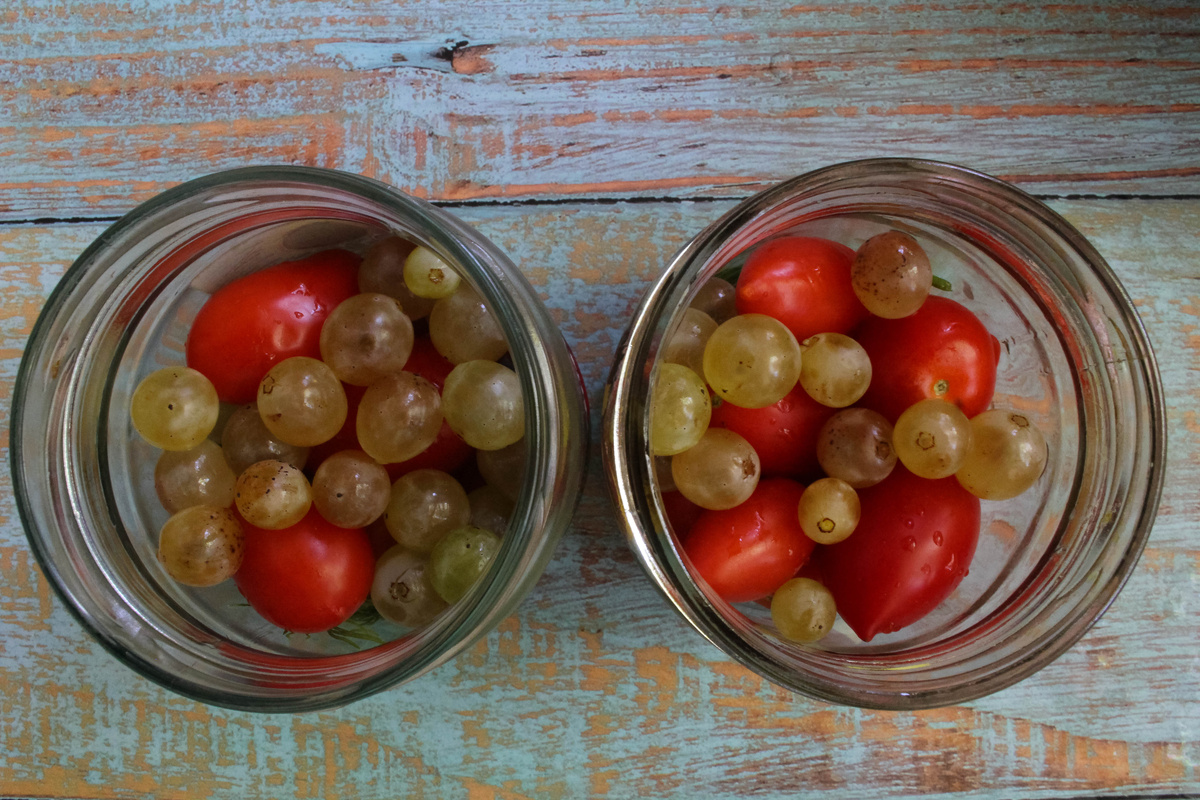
[(590, 139)]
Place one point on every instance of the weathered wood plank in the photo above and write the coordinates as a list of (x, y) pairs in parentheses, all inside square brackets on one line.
[(646, 99), (594, 688)]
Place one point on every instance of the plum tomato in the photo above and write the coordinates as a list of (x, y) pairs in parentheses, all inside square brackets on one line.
[(307, 578), (942, 351), (784, 434), (746, 552), (803, 282), (254, 322), (912, 547)]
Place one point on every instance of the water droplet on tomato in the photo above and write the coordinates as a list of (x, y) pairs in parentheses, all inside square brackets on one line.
[(908, 523), (950, 564), (938, 538), (910, 543)]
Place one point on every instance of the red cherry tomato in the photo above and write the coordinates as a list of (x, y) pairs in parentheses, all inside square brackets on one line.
[(307, 578), (265, 317), (911, 548), (681, 512), (942, 350), (804, 283), (747, 552), (784, 435)]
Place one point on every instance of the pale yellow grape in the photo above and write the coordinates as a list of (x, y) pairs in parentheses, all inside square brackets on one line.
[(174, 408), (717, 298), (680, 410), (719, 472), (272, 495), (1007, 455), (752, 361), (686, 345), (424, 506), (382, 271), (246, 440), (365, 338), (401, 591), (427, 275), (829, 510), (504, 468), (803, 610), (491, 509), (302, 402), (462, 328), (834, 370), (931, 438), (855, 445), (398, 417), (350, 489), (200, 476), (483, 404), (201, 545), (891, 275)]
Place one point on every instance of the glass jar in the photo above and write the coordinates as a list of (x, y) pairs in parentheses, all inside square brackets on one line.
[(84, 480), (1075, 356)]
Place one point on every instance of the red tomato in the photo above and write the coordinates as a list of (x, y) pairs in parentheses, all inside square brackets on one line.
[(748, 551), (804, 283), (427, 362), (276, 313), (309, 577), (911, 548), (784, 435), (942, 350), (681, 512), (346, 438)]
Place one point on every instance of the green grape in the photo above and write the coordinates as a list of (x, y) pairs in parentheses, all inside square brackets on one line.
[(463, 329), (891, 275), (401, 591), (931, 438), (834, 370), (717, 299), (272, 495), (398, 417), (246, 440), (459, 559), (424, 506), (504, 468), (382, 271), (302, 402), (686, 345), (174, 408), (803, 610), (365, 338), (200, 476), (829, 510), (855, 446), (752, 361), (1007, 455), (201, 545), (662, 474), (719, 472), (350, 489), (483, 404), (491, 509), (680, 410), (427, 275)]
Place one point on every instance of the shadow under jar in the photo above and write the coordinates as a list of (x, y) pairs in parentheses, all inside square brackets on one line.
[(1075, 358), (84, 479)]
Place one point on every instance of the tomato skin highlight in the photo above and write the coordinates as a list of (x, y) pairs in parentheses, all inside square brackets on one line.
[(941, 351), (784, 434), (911, 549), (258, 320), (307, 578), (747, 552), (803, 282)]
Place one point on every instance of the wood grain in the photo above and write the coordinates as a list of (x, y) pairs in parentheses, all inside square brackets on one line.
[(594, 688), (111, 101)]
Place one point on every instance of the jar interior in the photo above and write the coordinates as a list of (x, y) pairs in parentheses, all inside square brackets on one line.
[(1035, 377)]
